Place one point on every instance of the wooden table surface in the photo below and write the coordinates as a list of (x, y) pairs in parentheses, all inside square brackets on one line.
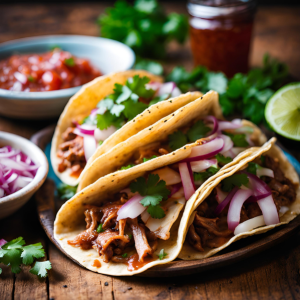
[(274, 274)]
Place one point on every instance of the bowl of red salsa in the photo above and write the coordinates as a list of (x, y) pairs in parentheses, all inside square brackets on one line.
[(38, 75)]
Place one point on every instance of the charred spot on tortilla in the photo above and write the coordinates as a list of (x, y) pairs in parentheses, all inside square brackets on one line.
[(165, 121)]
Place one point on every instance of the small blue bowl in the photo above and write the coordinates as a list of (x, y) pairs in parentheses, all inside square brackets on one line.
[(105, 54)]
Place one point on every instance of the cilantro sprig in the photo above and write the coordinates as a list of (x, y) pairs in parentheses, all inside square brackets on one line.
[(201, 176), (14, 254), (65, 191), (246, 94), (162, 254), (178, 139), (123, 105), (234, 180), (154, 190), (222, 159), (145, 27)]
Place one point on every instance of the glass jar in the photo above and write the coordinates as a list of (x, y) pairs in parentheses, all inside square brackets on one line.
[(221, 33)]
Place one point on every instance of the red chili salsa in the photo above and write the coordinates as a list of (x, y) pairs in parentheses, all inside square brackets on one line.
[(54, 70)]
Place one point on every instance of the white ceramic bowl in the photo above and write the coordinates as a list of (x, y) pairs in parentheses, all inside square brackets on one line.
[(11, 203), (105, 54)]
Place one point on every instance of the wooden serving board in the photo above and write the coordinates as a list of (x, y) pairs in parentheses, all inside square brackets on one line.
[(47, 206)]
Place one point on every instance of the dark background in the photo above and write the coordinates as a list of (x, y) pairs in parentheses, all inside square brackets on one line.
[(260, 2)]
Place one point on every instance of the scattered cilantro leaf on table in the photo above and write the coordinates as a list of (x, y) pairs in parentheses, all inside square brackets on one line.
[(234, 180), (154, 190), (14, 253)]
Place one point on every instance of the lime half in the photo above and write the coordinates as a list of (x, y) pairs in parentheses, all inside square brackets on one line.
[(282, 111)]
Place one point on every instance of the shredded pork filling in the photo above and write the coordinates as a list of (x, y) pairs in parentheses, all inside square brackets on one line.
[(209, 231), (71, 152), (116, 237)]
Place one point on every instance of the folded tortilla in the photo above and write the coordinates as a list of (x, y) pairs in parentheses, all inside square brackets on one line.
[(108, 181), (189, 253), (121, 154), (83, 102)]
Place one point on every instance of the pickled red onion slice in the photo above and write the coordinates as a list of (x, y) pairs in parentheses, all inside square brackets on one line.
[(187, 180), (132, 208)]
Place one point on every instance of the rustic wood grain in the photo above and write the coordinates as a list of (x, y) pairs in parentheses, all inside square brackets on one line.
[(273, 274)]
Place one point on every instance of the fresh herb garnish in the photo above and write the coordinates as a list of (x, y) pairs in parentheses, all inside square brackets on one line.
[(162, 254), (252, 167), (123, 104), (65, 191), (99, 228), (262, 159), (246, 94), (14, 253), (222, 159), (150, 66), (127, 167), (124, 255), (201, 176), (147, 159), (130, 236), (30, 78), (100, 143), (239, 140), (154, 190), (234, 180), (197, 131), (144, 27), (177, 140), (69, 62)]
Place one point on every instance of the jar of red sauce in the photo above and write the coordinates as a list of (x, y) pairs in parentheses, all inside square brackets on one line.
[(221, 33)]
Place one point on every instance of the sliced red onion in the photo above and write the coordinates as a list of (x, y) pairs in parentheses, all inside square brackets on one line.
[(228, 143), (244, 129), (220, 195), (187, 180), (224, 203), (206, 150), (176, 92), (167, 174), (249, 141), (10, 153), (11, 164), (283, 210), (86, 128), (215, 123), (234, 211), (1, 192), (249, 225), (237, 121), (199, 166), (258, 186), (264, 172), (2, 242), (224, 125), (101, 135), (175, 189), (259, 197), (269, 210), (166, 88), (89, 146), (132, 208), (94, 112)]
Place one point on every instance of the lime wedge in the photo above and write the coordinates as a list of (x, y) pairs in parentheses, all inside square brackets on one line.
[(282, 111)]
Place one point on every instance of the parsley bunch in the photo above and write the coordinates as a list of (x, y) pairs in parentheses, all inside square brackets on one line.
[(14, 253), (123, 104), (144, 27), (154, 190), (246, 94)]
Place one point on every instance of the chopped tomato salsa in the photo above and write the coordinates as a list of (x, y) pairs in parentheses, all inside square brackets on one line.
[(48, 71)]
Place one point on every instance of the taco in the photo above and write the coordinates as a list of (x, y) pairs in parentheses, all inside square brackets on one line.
[(87, 125), (259, 194), (127, 221), (199, 119)]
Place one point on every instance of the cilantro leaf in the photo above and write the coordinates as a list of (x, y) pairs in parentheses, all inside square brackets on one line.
[(65, 191), (147, 159), (137, 85), (127, 167), (198, 131), (14, 244), (177, 140), (234, 180), (150, 66), (32, 251), (125, 94), (252, 167), (201, 176), (99, 228), (139, 185), (40, 268), (12, 257), (162, 254), (222, 159), (106, 120), (239, 140), (124, 255), (151, 200), (69, 62), (156, 212), (157, 187), (133, 109)]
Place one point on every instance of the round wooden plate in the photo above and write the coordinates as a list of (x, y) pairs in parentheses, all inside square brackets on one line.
[(47, 206)]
